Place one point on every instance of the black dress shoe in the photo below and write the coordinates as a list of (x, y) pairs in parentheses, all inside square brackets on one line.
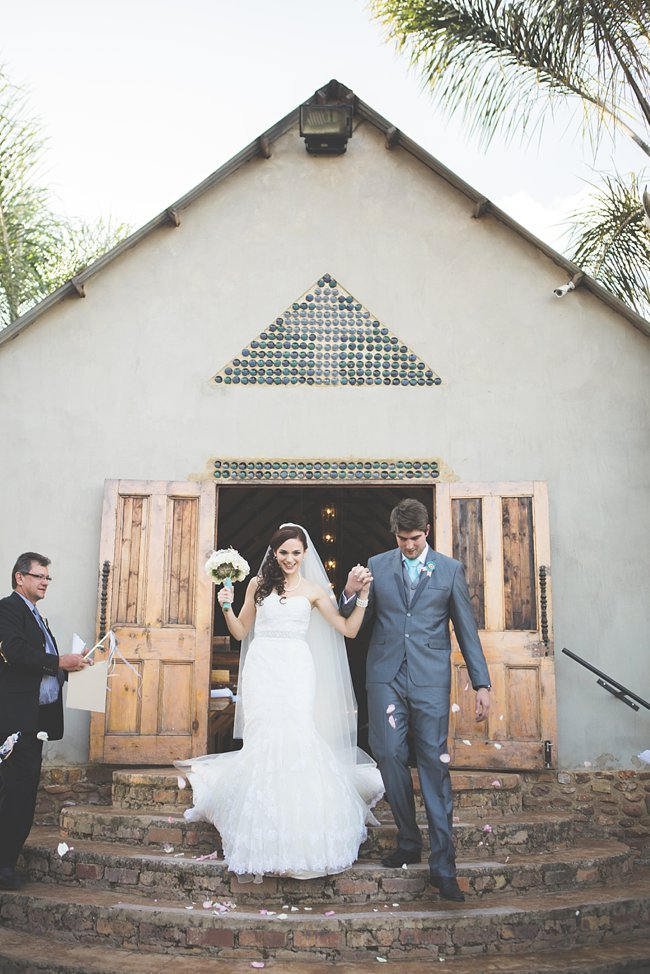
[(8, 878), (398, 857), (448, 888)]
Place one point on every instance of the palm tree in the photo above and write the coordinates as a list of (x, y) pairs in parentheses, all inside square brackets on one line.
[(505, 65), (38, 250)]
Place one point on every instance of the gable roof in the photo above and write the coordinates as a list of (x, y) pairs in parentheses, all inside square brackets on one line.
[(261, 146)]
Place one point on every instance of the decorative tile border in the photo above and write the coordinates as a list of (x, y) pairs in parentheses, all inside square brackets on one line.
[(326, 337), (325, 471)]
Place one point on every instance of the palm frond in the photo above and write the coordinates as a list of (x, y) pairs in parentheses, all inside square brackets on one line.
[(610, 240), (491, 59)]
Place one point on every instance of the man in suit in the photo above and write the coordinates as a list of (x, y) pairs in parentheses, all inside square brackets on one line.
[(415, 592), (31, 676)]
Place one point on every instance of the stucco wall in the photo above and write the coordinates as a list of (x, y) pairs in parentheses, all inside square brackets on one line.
[(118, 385)]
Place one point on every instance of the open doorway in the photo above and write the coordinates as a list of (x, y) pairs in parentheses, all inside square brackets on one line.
[(346, 524)]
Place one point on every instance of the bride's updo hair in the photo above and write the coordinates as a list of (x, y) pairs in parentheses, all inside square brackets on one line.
[(271, 576)]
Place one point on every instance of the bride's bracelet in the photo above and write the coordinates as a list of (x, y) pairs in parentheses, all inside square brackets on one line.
[(363, 603)]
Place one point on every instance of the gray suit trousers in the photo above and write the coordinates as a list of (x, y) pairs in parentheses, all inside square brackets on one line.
[(427, 709)]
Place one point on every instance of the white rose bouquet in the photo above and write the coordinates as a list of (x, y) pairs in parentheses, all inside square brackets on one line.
[(225, 567)]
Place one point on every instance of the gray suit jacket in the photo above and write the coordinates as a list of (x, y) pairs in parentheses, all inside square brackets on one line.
[(420, 631)]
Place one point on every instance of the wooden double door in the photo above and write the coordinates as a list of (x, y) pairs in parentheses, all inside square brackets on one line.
[(156, 597)]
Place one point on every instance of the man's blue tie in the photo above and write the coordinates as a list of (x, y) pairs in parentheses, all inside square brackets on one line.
[(413, 566)]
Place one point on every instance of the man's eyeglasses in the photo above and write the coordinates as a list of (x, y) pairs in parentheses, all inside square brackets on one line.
[(45, 578)]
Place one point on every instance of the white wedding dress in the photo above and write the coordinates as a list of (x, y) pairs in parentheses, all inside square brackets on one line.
[(284, 804)]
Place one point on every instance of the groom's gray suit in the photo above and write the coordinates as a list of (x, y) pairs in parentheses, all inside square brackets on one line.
[(408, 667)]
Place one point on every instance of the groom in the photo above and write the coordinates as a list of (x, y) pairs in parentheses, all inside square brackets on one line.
[(414, 594)]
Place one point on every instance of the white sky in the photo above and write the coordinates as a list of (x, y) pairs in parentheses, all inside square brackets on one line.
[(141, 99)]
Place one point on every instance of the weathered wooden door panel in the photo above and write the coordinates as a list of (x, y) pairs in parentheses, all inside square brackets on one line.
[(159, 602), (500, 533)]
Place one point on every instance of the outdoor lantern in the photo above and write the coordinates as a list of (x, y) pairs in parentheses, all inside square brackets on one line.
[(326, 128)]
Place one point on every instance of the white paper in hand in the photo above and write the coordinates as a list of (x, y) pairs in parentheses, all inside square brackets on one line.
[(87, 688), (78, 644)]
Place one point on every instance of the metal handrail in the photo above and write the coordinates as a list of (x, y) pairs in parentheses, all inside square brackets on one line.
[(612, 686)]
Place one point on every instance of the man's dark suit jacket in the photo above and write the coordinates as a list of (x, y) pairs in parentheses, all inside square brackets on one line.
[(24, 661)]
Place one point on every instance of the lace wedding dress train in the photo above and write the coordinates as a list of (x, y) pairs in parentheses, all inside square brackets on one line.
[(284, 804)]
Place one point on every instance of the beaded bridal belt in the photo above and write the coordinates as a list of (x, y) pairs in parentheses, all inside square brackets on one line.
[(278, 634)]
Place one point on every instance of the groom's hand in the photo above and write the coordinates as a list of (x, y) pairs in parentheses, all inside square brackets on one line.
[(359, 577), (482, 706)]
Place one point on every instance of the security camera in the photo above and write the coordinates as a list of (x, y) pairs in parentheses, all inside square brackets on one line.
[(559, 292)]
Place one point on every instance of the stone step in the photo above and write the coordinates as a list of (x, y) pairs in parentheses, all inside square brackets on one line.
[(516, 834), (21, 955), (485, 792), (184, 877), (511, 925)]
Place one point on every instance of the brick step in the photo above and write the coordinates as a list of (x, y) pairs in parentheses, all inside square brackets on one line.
[(158, 788), (509, 925), (39, 953), (522, 834), (20, 955), (111, 865)]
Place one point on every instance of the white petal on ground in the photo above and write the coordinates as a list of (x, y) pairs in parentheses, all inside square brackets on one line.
[(181, 782), (207, 904), (294, 909), (308, 909), (498, 746), (487, 828), (468, 743), (587, 764), (62, 848), (644, 756), (168, 848), (390, 708), (404, 865), (382, 960), (455, 708), (42, 736), (395, 904), (257, 964), (282, 916)]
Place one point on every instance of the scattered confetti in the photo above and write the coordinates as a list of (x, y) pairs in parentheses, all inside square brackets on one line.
[(390, 709), (404, 865), (445, 758), (382, 960), (308, 909), (391, 721), (189, 907), (455, 708), (294, 909), (207, 904), (257, 964), (456, 818), (468, 743), (496, 783), (467, 686), (285, 906), (498, 746), (208, 855), (480, 843), (43, 736), (587, 764), (507, 858), (644, 756), (487, 828), (395, 904), (62, 848), (263, 913), (375, 909), (577, 913), (329, 913), (283, 916), (181, 782), (500, 716), (168, 848)]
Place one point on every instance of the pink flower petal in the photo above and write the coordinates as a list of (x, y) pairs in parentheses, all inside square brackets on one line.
[(445, 758), (257, 964), (390, 708), (487, 828), (329, 913), (496, 783), (391, 721)]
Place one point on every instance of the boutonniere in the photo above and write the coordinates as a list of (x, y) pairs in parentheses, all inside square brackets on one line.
[(429, 568)]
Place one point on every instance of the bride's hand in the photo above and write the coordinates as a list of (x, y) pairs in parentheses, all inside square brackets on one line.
[(225, 595), (365, 591)]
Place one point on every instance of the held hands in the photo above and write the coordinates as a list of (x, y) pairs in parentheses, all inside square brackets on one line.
[(358, 582), (225, 596), (482, 706)]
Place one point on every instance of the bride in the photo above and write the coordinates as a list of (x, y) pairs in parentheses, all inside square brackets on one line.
[(296, 799)]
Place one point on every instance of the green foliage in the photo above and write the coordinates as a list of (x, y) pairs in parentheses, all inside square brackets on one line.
[(39, 250), (611, 241), (506, 65)]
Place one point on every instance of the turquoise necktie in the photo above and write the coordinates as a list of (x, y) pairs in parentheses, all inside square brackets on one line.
[(413, 566)]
